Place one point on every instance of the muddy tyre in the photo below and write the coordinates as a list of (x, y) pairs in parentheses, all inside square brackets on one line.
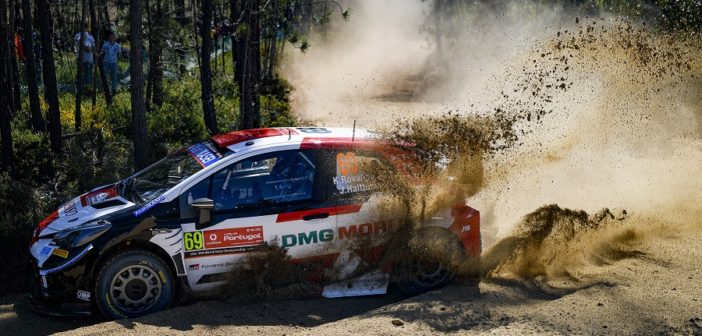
[(434, 256), (428, 276), (133, 284)]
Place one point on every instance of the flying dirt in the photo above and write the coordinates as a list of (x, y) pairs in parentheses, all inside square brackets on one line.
[(588, 113)]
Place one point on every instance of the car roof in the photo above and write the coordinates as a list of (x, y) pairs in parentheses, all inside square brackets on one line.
[(306, 137)]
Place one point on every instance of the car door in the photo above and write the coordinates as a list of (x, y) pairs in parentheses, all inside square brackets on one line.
[(265, 199), (361, 232)]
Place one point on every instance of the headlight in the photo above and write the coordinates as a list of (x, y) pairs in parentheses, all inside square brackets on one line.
[(81, 234)]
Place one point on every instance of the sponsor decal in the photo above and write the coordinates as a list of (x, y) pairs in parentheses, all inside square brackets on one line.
[(215, 252), (252, 235), (203, 155), (217, 265), (210, 239), (327, 235), (83, 295), (349, 178), (98, 196), (352, 231), (194, 267), (70, 208), (149, 205), (312, 237), (60, 253), (45, 251), (313, 130)]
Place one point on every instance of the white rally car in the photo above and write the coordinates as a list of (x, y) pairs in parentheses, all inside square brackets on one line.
[(189, 220)]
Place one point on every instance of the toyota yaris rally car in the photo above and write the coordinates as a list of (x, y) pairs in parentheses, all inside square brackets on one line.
[(184, 223)]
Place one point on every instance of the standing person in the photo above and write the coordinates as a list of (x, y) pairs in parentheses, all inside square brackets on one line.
[(111, 50), (87, 47), (19, 47)]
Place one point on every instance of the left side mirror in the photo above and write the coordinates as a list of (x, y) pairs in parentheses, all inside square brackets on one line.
[(205, 205)]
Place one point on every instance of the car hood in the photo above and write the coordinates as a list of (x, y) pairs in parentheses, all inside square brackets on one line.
[(87, 207)]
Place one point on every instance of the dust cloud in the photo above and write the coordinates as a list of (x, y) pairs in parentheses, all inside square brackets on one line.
[(586, 113)]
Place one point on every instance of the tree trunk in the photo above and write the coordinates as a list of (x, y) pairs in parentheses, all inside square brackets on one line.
[(205, 72), (150, 25), (157, 62), (34, 107), (250, 104), (6, 90), (180, 51), (180, 12), (16, 93), (44, 19), (137, 84), (79, 73), (154, 95), (238, 43), (98, 33), (62, 28)]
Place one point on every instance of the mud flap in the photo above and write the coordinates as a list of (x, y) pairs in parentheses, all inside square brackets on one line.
[(374, 283)]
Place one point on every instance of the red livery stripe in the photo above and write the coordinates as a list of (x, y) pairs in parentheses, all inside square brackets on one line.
[(332, 211), (336, 143), (232, 138)]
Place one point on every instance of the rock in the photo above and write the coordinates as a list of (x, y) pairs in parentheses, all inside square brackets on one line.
[(397, 323)]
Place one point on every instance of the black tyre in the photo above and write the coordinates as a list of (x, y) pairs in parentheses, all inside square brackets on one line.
[(427, 276), (133, 284), (434, 255)]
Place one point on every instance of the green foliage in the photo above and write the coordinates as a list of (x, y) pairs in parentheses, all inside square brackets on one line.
[(34, 162), (226, 104), (275, 104), (22, 206), (179, 119)]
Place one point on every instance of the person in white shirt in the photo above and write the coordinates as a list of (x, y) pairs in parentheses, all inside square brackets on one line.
[(84, 47), (110, 51)]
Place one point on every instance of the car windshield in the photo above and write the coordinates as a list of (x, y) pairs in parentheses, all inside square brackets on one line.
[(160, 177)]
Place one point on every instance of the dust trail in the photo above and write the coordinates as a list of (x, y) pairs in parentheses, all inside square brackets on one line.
[(601, 112)]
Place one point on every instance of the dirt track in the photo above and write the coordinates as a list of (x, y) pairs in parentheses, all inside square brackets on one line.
[(657, 292)]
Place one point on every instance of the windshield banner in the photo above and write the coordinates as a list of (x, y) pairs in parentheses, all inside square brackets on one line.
[(203, 155)]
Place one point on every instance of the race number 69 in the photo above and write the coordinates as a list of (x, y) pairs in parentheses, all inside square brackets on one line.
[(193, 240)]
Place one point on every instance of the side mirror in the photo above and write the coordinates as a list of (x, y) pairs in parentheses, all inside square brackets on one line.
[(205, 205)]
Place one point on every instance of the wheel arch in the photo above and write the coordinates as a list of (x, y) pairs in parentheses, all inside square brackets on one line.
[(135, 245)]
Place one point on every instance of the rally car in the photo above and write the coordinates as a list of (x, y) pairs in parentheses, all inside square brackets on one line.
[(181, 225)]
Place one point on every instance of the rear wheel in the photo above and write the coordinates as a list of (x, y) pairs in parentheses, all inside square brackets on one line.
[(424, 276), (132, 284), (434, 255)]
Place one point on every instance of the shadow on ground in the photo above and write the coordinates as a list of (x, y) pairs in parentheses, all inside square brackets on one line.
[(16, 318)]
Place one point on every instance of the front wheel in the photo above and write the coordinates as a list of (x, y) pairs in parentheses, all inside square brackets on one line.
[(133, 284)]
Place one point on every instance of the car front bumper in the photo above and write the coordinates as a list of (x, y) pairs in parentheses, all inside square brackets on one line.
[(63, 290), (53, 307)]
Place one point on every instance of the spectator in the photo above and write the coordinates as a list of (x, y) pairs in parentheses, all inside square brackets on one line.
[(111, 50), (19, 47), (84, 47)]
